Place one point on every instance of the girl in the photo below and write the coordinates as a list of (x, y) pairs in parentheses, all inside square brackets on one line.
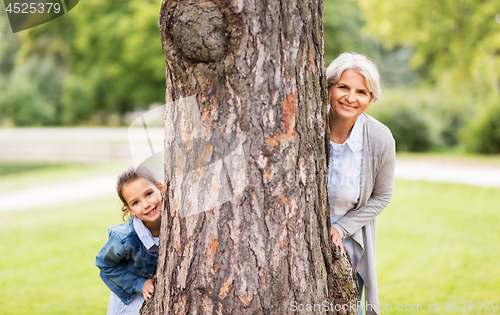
[(127, 261)]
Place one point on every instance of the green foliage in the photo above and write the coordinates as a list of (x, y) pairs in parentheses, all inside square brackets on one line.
[(113, 60), (79, 98), (449, 36), (117, 58), (111, 56), (483, 136), (415, 117), (106, 57), (421, 118), (9, 45), (342, 28), (455, 43), (343, 33), (409, 129), (32, 95)]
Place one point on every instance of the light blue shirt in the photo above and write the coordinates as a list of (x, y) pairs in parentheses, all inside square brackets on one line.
[(344, 177), (115, 305), (147, 239)]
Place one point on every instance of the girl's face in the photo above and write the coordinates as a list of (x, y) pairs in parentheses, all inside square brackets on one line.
[(350, 97), (143, 199)]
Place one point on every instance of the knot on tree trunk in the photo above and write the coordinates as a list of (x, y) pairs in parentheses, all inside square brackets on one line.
[(200, 31)]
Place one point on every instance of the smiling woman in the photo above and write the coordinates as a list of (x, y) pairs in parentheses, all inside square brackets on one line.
[(361, 166), (349, 98)]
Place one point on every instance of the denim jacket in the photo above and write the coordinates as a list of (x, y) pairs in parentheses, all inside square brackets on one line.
[(124, 263)]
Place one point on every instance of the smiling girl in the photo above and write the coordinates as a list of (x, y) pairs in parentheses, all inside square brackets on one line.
[(127, 261)]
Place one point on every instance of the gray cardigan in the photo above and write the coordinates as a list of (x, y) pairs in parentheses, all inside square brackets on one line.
[(377, 187)]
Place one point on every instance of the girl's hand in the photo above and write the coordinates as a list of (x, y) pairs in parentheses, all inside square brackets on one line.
[(334, 233), (148, 289)]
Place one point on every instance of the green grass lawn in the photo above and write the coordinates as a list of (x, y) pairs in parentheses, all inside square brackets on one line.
[(8, 168), (455, 157), (48, 256), (436, 243), (22, 175), (439, 243)]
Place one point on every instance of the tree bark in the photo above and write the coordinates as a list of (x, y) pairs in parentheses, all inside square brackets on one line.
[(245, 224)]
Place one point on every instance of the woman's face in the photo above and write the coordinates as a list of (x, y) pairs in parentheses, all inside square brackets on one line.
[(350, 97)]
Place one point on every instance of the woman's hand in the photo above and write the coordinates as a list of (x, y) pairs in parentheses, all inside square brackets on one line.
[(334, 233), (148, 289)]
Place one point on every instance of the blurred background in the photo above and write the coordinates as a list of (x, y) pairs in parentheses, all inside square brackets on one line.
[(440, 65), (70, 88)]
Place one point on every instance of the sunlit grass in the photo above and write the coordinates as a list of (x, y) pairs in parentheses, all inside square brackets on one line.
[(48, 257), (436, 243), (456, 156), (439, 243), (8, 168), (19, 175)]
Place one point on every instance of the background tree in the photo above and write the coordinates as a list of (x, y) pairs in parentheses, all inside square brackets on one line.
[(116, 61), (452, 40), (254, 74), (456, 49), (342, 29), (104, 57)]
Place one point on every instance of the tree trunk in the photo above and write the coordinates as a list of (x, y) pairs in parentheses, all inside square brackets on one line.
[(245, 225)]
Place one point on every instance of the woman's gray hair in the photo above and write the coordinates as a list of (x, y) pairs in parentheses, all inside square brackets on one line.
[(360, 64)]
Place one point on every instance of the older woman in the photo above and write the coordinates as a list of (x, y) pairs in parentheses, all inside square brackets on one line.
[(361, 170)]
